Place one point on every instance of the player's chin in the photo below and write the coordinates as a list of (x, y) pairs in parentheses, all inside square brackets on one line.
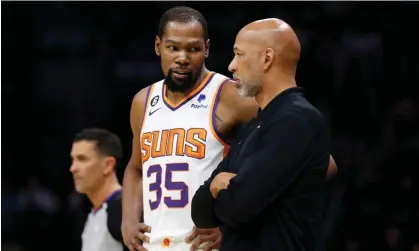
[(182, 84), (178, 82)]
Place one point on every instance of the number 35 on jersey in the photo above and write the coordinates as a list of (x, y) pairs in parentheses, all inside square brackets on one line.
[(168, 175), (168, 171)]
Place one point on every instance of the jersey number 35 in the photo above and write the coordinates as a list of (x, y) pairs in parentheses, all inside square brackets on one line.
[(169, 185)]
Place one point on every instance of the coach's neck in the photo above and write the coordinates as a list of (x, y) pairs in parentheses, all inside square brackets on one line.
[(98, 197), (273, 83)]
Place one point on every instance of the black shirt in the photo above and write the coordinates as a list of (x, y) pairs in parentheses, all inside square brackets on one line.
[(102, 230), (275, 202)]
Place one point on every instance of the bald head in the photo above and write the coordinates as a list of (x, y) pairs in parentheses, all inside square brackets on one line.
[(275, 35), (266, 54)]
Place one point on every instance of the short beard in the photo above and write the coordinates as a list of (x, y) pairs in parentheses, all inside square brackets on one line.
[(248, 90), (176, 85)]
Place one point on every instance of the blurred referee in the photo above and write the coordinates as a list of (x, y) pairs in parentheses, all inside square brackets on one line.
[(95, 155)]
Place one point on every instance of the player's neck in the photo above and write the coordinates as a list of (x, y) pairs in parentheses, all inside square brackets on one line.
[(98, 197), (176, 97), (272, 87)]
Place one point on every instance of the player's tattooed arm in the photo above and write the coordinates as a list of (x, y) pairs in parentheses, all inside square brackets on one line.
[(218, 120)]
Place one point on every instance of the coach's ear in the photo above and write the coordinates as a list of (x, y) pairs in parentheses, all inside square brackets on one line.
[(268, 58), (157, 44), (207, 46)]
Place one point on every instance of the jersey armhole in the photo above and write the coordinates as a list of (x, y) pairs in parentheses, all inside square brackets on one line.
[(147, 99), (213, 122)]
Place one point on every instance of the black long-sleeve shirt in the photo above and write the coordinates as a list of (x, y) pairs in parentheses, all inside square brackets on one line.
[(275, 201)]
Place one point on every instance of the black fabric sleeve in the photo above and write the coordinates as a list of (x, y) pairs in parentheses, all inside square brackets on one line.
[(266, 172), (115, 217)]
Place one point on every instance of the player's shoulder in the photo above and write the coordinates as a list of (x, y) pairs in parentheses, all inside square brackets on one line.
[(227, 85), (142, 95), (220, 77), (242, 108), (230, 94)]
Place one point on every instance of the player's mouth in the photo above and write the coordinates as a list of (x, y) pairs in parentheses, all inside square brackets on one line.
[(179, 74)]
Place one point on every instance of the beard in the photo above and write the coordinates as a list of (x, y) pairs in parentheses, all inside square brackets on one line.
[(247, 88), (181, 85)]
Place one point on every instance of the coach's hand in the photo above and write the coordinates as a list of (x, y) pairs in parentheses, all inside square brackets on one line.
[(206, 239), (221, 181), (133, 235)]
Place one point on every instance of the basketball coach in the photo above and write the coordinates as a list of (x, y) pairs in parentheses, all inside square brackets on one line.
[(268, 193)]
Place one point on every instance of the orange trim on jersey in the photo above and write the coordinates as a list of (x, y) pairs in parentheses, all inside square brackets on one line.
[(226, 150), (149, 92), (190, 95), (212, 119)]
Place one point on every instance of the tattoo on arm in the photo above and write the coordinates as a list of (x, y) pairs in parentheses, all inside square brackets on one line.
[(221, 127), (218, 121)]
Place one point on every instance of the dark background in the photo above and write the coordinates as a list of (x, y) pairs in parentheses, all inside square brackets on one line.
[(72, 65)]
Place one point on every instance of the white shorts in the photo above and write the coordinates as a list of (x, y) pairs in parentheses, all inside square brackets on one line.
[(175, 245)]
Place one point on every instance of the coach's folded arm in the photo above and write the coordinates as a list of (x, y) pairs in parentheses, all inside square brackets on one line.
[(261, 178), (203, 203)]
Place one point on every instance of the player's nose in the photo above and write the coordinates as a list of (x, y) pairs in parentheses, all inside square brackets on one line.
[(182, 58)]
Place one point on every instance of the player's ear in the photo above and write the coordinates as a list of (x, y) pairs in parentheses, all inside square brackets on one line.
[(110, 164), (268, 58), (157, 44), (207, 46)]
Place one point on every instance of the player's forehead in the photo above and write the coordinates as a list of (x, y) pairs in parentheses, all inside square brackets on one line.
[(180, 32)]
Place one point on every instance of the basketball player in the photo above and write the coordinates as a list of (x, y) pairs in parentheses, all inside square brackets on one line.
[(95, 155), (181, 126)]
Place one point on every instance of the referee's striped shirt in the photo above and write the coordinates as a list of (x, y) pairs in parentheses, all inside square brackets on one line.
[(102, 230)]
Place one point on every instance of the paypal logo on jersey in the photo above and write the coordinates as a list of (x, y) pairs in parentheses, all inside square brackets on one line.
[(201, 99)]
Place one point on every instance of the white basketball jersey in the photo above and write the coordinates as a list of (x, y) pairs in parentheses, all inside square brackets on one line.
[(180, 150)]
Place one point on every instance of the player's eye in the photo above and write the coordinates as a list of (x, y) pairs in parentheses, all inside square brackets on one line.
[(195, 49), (172, 48)]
